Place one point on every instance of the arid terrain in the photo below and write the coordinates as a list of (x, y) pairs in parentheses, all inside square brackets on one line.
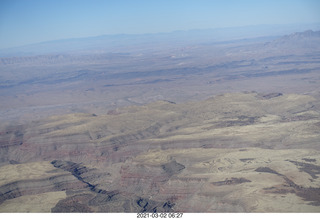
[(211, 126)]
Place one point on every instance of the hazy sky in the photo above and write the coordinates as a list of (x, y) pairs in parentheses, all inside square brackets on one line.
[(29, 21)]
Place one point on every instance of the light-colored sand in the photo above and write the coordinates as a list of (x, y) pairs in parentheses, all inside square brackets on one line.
[(33, 203), (27, 171)]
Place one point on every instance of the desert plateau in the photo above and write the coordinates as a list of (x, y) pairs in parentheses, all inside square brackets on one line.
[(178, 122)]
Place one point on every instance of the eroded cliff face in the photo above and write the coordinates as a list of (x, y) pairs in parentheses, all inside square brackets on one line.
[(240, 152)]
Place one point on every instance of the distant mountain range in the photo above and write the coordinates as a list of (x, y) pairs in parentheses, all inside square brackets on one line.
[(127, 42), (128, 46)]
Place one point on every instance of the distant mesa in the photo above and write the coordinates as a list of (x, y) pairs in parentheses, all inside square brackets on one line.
[(301, 35), (306, 38)]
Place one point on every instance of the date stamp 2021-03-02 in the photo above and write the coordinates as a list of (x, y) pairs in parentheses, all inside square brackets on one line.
[(159, 215)]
